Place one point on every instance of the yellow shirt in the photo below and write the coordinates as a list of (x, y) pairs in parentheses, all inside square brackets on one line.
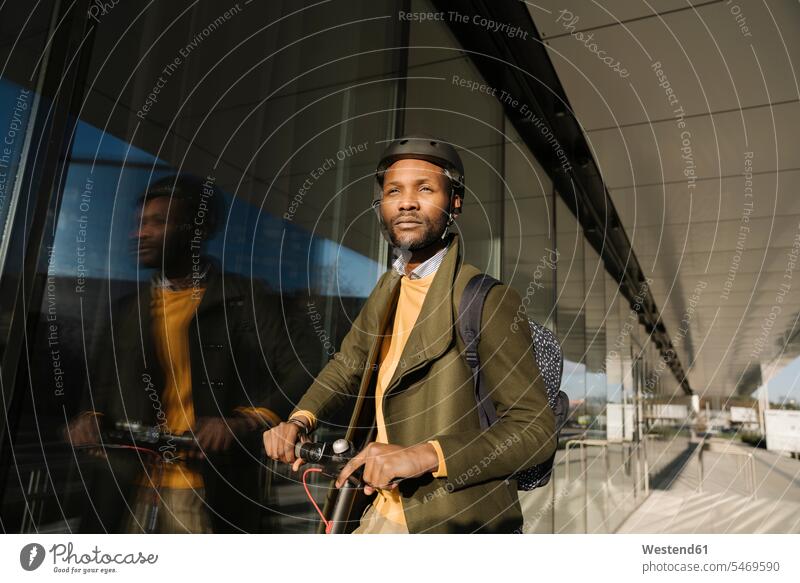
[(172, 312), (409, 304)]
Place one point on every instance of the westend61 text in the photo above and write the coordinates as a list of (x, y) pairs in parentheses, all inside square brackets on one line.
[(673, 550)]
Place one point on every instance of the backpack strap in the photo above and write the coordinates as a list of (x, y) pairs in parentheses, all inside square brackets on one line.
[(470, 310)]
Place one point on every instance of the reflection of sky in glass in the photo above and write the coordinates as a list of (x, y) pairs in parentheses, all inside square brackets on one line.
[(615, 392), (573, 380), (595, 385), (98, 215), (579, 384), (15, 106)]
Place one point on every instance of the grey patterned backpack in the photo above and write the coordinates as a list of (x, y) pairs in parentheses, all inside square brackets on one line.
[(549, 358)]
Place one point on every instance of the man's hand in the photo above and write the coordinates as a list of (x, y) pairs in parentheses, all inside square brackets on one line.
[(279, 443), (84, 430), (218, 433), (384, 462)]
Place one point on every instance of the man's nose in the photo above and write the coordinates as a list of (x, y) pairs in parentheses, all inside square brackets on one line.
[(408, 202), (140, 232)]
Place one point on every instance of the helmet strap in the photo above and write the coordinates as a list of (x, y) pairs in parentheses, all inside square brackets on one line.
[(450, 215)]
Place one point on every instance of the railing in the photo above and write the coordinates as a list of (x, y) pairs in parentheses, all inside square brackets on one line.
[(583, 444), (631, 454), (748, 463)]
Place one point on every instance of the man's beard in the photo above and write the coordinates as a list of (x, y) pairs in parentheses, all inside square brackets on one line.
[(431, 233)]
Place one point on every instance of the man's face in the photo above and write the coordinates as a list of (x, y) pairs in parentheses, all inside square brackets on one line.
[(415, 202), (161, 235)]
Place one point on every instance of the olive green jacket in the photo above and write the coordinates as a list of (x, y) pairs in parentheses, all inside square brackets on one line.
[(431, 396)]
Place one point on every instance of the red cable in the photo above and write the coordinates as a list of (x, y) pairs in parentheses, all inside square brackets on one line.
[(328, 524)]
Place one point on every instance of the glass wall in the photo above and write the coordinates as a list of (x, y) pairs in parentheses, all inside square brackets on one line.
[(618, 415), (571, 490), (238, 99), (597, 496), (26, 35), (529, 246)]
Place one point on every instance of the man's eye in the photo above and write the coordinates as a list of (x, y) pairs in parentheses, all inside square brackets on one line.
[(425, 187), (393, 191)]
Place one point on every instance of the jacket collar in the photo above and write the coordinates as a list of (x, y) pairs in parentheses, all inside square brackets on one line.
[(433, 332), (213, 295)]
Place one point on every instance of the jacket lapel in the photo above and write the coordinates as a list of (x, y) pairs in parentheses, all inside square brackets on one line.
[(382, 306), (433, 330), (139, 325), (385, 304), (213, 295)]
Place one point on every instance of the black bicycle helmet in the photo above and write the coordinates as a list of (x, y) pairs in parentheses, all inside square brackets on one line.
[(420, 147)]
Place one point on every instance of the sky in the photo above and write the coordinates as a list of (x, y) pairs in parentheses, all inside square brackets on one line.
[(785, 385)]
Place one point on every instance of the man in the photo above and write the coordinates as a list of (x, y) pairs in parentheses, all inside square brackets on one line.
[(197, 352), (420, 405)]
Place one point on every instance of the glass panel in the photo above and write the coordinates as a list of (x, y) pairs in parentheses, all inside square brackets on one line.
[(529, 266), (570, 483), (25, 35), (598, 475), (529, 251), (472, 121), (280, 138), (618, 416)]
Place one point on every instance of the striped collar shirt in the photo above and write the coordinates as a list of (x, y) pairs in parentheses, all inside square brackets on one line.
[(160, 281), (424, 269)]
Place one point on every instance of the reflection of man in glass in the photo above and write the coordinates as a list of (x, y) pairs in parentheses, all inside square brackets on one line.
[(199, 353)]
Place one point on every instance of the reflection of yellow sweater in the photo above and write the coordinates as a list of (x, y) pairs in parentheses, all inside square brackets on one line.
[(409, 305), (172, 312)]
